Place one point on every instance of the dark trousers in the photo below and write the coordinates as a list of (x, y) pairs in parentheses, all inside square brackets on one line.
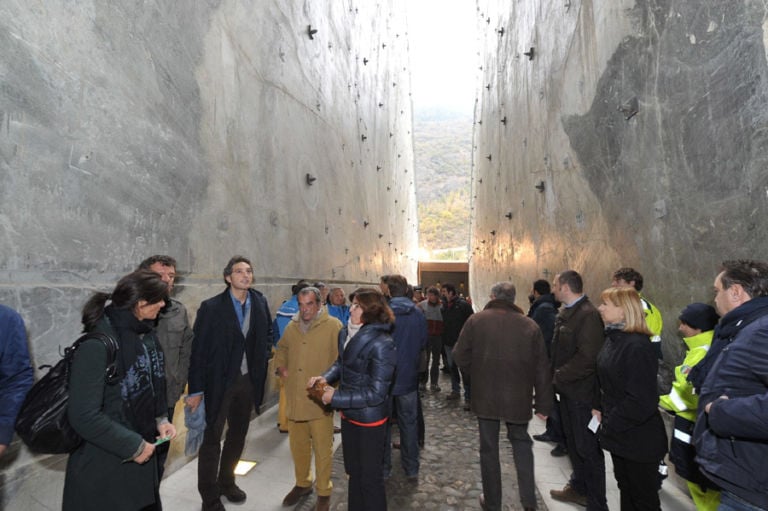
[(363, 449), (588, 477), (457, 376), (161, 451), (490, 468), (434, 350), (422, 427), (638, 484), (555, 426), (216, 465)]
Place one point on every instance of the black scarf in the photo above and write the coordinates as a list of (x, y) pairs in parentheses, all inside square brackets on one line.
[(141, 364), (730, 325)]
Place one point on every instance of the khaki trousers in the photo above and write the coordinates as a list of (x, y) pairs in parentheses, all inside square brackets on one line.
[(306, 437), (282, 420)]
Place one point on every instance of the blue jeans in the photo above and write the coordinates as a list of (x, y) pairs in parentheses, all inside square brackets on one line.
[(731, 502), (406, 406)]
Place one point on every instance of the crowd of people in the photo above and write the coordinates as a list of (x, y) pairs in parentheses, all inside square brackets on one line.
[(589, 370)]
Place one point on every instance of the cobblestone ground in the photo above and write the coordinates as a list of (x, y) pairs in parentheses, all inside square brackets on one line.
[(449, 476)]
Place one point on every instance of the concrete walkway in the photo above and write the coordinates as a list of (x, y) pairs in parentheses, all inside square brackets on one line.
[(449, 476)]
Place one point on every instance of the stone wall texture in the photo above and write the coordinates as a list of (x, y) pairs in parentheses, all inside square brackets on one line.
[(633, 134), (189, 128), (623, 133)]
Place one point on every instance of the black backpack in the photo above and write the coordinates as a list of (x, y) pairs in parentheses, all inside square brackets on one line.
[(42, 421)]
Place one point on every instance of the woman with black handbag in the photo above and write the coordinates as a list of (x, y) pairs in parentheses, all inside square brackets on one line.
[(121, 421)]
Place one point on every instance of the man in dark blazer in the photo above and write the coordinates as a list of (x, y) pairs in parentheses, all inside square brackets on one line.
[(230, 351), (577, 340)]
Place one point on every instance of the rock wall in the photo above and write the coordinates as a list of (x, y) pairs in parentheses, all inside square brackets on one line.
[(627, 133), (280, 130)]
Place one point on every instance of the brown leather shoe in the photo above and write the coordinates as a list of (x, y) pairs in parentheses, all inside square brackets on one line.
[(323, 503), (568, 494), (295, 495)]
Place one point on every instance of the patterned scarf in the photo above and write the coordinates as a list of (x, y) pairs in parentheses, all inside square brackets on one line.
[(141, 364)]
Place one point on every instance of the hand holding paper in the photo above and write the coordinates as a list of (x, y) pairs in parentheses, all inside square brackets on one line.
[(594, 424)]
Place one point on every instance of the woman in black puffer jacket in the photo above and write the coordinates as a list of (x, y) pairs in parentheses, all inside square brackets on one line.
[(631, 428), (365, 369)]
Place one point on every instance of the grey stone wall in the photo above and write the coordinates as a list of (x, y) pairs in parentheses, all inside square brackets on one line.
[(634, 136), (189, 128)]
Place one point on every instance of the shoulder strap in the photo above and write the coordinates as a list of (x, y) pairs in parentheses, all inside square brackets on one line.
[(111, 372)]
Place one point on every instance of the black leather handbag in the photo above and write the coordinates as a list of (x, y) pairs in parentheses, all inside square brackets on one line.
[(42, 422)]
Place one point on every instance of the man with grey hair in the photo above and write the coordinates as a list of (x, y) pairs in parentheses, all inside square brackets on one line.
[(337, 305), (504, 353), (308, 346)]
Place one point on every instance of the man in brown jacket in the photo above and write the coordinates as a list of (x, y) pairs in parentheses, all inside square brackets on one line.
[(503, 351), (577, 340), (309, 346)]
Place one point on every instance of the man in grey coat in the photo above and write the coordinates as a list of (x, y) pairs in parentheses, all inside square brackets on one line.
[(175, 335), (504, 353), (173, 331)]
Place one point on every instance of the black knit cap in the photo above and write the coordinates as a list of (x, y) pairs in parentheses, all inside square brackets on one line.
[(700, 315)]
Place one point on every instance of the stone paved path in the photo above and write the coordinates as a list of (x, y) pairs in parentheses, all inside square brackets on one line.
[(449, 477)]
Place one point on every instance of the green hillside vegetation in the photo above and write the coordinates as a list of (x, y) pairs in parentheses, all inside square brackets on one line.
[(444, 221), (443, 154)]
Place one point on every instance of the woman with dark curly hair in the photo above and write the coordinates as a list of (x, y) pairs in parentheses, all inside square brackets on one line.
[(121, 421), (365, 369)]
